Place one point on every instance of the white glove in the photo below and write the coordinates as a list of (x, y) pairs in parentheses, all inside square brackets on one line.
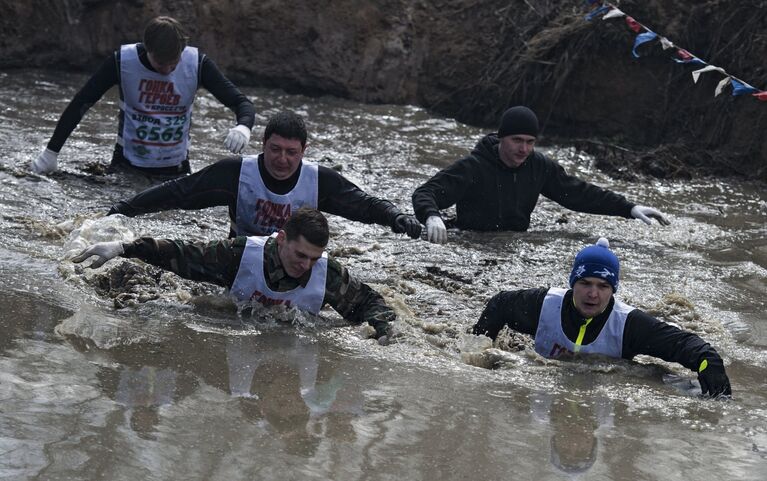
[(237, 139), (645, 213), (45, 162), (103, 252), (435, 230)]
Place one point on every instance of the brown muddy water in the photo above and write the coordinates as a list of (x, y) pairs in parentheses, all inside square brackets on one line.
[(160, 379)]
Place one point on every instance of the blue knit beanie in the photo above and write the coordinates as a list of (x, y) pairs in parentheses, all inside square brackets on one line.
[(596, 261)]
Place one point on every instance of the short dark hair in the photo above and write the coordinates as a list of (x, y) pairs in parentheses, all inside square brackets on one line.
[(309, 223), (286, 124), (165, 39)]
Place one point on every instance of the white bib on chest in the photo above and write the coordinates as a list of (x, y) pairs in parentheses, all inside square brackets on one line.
[(551, 341), (156, 109), (250, 283), (261, 211)]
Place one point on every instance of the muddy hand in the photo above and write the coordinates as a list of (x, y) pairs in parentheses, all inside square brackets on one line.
[(103, 251)]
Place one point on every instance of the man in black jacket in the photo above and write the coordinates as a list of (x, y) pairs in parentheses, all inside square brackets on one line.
[(262, 191), (158, 80), (587, 319), (497, 186)]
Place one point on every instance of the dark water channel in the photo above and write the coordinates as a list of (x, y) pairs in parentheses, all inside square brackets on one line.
[(176, 386)]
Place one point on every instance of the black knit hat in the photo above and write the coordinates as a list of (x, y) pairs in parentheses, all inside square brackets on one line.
[(518, 120)]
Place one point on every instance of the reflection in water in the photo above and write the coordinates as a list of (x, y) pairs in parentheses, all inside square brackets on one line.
[(574, 419)]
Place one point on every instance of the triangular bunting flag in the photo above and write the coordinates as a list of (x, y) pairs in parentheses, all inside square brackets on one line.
[(633, 24), (721, 85), (597, 12), (613, 14), (643, 38), (707, 68), (739, 88)]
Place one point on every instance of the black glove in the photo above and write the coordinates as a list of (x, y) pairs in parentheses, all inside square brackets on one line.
[(404, 223), (713, 380), (383, 333)]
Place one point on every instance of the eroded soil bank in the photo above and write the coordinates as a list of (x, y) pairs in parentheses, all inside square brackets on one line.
[(467, 59)]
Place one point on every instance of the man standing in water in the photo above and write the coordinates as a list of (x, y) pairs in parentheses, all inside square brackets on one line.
[(497, 186), (262, 191), (158, 80), (288, 268), (587, 319)]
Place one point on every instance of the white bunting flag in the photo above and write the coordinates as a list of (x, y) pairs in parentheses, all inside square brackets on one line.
[(707, 68)]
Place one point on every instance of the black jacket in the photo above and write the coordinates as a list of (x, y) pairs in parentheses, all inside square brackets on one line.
[(491, 196), (643, 334), (218, 185)]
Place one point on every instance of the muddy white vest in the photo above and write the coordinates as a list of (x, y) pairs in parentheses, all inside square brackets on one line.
[(156, 109), (261, 211), (551, 341), (250, 283)]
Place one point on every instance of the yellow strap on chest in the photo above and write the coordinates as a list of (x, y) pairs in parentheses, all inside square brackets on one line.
[(581, 334)]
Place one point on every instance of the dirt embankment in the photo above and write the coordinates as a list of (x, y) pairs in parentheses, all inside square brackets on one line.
[(467, 59)]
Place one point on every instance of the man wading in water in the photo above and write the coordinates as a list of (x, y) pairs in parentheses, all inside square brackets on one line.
[(497, 186), (261, 191), (158, 80), (587, 319), (288, 268)]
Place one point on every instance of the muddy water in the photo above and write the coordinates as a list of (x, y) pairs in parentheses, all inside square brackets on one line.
[(129, 373)]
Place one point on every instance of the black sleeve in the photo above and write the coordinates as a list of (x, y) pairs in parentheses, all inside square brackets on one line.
[(578, 195), (212, 186), (338, 196), (445, 189), (227, 93), (95, 88), (645, 334), (520, 310)]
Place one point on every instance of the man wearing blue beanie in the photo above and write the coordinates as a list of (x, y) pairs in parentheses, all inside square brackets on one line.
[(587, 319), (498, 184)]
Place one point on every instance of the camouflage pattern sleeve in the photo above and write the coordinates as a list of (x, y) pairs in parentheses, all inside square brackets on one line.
[(356, 301), (216, 261)]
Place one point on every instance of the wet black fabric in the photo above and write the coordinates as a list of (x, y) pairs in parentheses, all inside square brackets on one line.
[(643, 334), (490, 196), (218, 184), (108, 75)]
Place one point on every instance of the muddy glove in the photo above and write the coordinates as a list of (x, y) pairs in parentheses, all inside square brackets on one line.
[(435, 230), (713, 380), (645, 213), (237, 139), (45, 162), (103, 252), (384, 333), (404, 223)]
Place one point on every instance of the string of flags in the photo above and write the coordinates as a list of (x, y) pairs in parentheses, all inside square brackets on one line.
[(644, 35)]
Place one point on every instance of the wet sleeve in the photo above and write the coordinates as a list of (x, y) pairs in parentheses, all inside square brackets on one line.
[(355, 301), (339, 196), (647, 335), (215, 185), (227, 93), (216, 262), (95, 88), (520, 310), (446, 188), (578, 195)]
